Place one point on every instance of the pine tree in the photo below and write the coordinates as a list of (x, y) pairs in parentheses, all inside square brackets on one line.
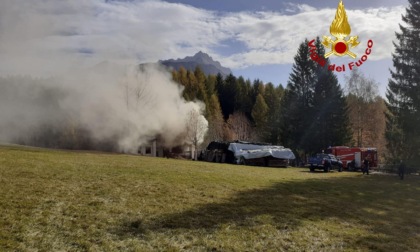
[(257, 88), (330, 123), (403, 94), (298, 101), (315, 110), (240, 95), (272, 97), (227, 95)]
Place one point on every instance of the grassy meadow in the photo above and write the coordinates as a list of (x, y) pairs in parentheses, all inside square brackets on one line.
[(54, 200)]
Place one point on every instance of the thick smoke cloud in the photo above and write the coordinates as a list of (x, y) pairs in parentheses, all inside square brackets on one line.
[(105, 105), (55, 92)]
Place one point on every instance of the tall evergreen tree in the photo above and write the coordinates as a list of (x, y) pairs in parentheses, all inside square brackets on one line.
[(227, 95), (241, 94), (219, 84), (272, 97), (248, 100), (403, 94), (315, 113), (257, 88), (330, 109), (298, 102), (330, 125)]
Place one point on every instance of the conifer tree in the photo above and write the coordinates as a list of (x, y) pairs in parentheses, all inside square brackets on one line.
[(298, 102), (330, 125), (257, 88), (227, 95), (272, 97), (241, 94), (403, 94), (314, 108)]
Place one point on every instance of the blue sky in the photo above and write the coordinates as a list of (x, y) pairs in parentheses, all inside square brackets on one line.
[(256, 39), (279, 73)]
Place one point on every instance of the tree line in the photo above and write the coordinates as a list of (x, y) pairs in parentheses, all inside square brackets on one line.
[(403, 93), (310, 114)]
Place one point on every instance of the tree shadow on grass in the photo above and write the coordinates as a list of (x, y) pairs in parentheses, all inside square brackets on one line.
[(383, 204)]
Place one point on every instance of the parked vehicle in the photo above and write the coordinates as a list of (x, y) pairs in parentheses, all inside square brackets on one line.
[(352, 157), (326, 162)]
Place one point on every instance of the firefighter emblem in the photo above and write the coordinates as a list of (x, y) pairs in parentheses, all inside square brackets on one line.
[(340, 29)]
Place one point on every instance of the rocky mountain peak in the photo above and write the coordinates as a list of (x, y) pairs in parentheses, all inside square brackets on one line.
[(201, 59)]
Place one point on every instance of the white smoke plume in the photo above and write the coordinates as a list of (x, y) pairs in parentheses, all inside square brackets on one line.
[(56, 88)]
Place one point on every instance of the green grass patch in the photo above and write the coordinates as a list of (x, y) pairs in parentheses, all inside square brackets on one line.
[(80, 201)]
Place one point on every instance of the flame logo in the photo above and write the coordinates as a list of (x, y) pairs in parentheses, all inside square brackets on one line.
[(340, 29)]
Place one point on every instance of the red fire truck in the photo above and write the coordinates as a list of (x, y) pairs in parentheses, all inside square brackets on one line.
[(352, 157)]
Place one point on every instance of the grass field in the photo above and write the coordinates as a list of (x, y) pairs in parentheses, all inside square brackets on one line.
[(78, 201)]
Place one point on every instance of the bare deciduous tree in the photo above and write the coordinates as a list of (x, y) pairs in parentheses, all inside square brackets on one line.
[(196, 129), (136, 88), (240, 127), (366, 111)]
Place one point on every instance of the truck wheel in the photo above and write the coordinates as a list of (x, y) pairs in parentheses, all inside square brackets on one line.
[(312, 169), (340, 168), (327, 168)]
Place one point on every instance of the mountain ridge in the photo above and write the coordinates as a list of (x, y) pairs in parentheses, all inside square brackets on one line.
[(200, 59)]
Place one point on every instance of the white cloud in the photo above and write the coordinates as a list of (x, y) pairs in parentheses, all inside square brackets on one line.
[(276, 37), (49, 36), (295, 8)]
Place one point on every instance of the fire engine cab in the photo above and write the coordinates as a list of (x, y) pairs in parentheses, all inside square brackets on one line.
[(352, 157)]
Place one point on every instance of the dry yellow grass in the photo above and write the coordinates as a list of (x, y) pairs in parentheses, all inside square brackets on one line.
[(79, 201)]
